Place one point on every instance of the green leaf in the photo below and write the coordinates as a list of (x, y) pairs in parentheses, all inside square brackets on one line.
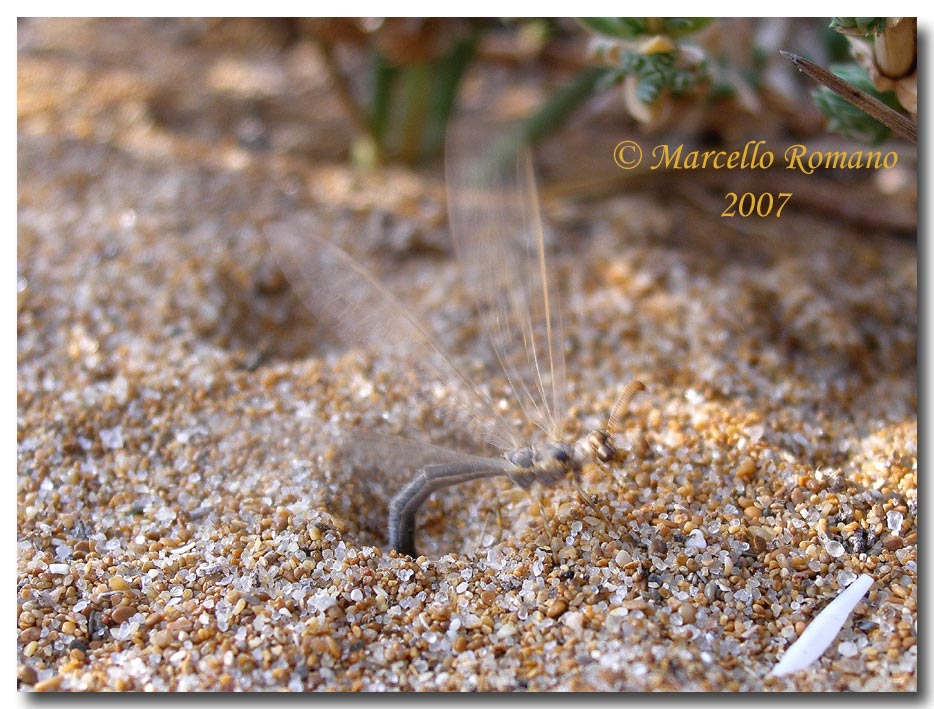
[(867, 26), (619, 27), (658, 73), (632, 27), (680, 26), (845, 118)]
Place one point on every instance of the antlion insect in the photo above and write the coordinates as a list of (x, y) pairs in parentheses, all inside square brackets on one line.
[(498, 235)]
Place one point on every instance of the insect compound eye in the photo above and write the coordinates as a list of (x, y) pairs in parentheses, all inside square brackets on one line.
[(558, 452)]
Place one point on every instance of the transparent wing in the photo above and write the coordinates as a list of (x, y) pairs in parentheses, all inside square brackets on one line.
[(394, 454), (497, 229), (349, 300)]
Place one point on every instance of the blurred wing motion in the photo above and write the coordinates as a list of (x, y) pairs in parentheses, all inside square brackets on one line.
[(384, 451), (497, 230), (498, 234), (349, 300)]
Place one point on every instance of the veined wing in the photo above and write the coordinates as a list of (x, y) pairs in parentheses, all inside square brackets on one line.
[(394, 454), (498, 232), (348, 299)]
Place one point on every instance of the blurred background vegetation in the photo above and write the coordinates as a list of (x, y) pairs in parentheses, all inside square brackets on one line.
[(371, 92), (714, 77)]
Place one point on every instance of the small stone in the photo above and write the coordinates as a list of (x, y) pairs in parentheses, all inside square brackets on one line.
[(574, 621), (118, 583), (746, 469), (49, 684), (507, 630), (752, 512), (556, 607), (695, 541), (899, 590), (894, 520), (758, 541), (163, 638), (848, 649), (122, 614), (112, 437), (891, 542), (687, 613), (26, 674)]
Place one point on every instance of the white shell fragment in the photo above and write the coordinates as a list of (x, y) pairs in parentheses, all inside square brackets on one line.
[(823, 629)]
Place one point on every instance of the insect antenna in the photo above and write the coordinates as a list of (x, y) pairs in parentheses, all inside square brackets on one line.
[(601, 440), (622, 402)]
